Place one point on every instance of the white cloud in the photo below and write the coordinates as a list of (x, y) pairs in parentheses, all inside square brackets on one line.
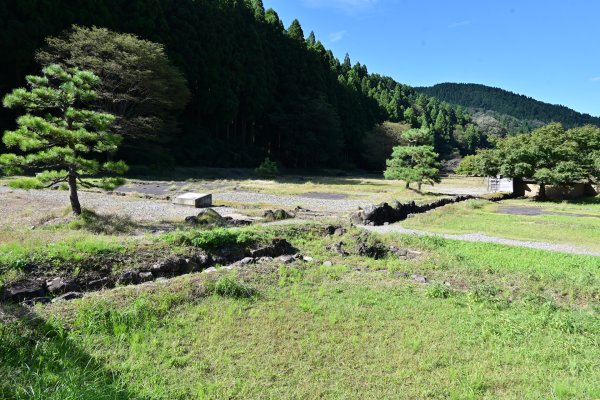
[(596, 79), (349, 6), (460, 23), (336, 36)]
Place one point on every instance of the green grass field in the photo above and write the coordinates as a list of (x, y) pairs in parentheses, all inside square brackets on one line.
[(514, 323), (482, 217), (492, 322)]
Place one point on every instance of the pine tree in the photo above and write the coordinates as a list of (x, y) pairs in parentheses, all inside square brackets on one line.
[(57, 135), (413, 164)]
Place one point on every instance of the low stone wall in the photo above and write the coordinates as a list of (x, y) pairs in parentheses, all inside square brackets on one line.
[(385, 213)]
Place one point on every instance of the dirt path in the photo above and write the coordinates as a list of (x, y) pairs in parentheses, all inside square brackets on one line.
[(478, 237)]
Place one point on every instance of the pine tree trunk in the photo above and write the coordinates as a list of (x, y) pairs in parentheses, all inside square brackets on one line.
[(419, 186), (75, 206)]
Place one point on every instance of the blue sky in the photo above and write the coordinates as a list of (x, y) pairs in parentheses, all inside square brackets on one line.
[(548, 50)]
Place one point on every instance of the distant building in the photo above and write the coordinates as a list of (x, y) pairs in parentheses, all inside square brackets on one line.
[(530, 188)]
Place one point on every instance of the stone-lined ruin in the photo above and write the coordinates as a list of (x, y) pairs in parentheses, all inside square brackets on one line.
[(383, 213)]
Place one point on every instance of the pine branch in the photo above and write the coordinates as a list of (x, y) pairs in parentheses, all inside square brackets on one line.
[(54, 182)]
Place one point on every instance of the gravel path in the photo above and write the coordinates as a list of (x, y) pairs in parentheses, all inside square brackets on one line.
[(532, 211), (30, 206), (478, 237), (290, 202)]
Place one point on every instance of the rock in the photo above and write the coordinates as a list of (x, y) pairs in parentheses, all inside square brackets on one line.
[(192, 220), (189, 266), (265, 259), (329, 230), (210, 270), (247, 260), (419, 278), (382, 214), (240, 222), (170, 266), (378, 214), (278, 247), (277, 215), (145, 277), (368, 246), (98, 284), (68, 296), (338, 249), (339, 232), (203, 259), (196, 200), (327, 264), (24, 291), (210, 217), (358, 218), (308, 259), (227, 255), (399, 252), (400, 275), (60, 285), (411, 254), (37, 300), (286, 259), (128, 278)]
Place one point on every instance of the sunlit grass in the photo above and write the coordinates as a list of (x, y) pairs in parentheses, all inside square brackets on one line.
[(469, 217)]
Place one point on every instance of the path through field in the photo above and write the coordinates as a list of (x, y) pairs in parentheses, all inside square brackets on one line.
[(478, 237)]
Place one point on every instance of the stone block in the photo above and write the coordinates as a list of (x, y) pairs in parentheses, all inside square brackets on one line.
[(197, 200)]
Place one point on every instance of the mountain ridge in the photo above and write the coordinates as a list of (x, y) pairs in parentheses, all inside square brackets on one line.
[(504, 102)]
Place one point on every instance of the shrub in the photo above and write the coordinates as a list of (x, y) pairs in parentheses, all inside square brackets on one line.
[(268, 168), (438, 291), (25, 183), (230, 286), (211, 239), (475, 204)]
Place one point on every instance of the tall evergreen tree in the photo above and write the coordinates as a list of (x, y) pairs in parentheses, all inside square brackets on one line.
[(295, 30), (57, 134)]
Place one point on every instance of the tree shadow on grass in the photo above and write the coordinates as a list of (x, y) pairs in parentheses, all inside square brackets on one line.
[(109, 224), (39, 360)]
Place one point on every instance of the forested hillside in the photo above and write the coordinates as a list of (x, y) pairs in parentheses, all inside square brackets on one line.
[(257, 88), (516, 113)]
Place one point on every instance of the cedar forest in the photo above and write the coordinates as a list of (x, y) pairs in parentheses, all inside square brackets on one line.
[(257, 89)]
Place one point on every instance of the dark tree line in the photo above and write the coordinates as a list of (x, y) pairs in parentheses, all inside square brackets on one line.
[(504, 102), (257, 88)]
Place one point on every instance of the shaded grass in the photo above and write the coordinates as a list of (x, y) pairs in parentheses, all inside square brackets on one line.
[(40, 360), (103, 224)]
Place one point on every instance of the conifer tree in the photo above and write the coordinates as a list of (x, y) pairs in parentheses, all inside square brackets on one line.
[(413, 164), (295, 30), (58, 135)]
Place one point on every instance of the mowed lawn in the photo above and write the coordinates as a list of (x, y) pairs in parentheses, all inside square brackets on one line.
[(479, 216), (308, 331)]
